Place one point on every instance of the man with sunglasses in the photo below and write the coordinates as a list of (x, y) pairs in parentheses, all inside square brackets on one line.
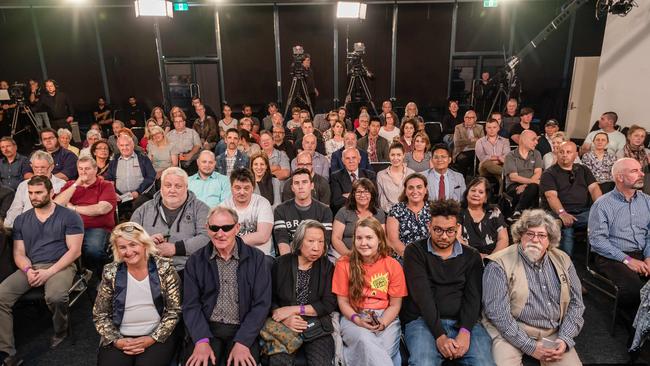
[(532, 297), (227, 295), (569, 190), (443, 309)]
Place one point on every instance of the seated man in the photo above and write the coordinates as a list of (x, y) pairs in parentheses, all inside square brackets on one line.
[(65, 161), (544, 144), (174, 218), (375, 145), (321, 191), (117, 127), (491, 151), (307, 128), (133, 176), (618, 234), (532, 297), (94, 199), (525, 123), (186, 141), (47, 241), (569, 189), (208, 185), (607, 124), (443, 308), (41, 164), (523, 170), (206, 127), (341, 181), (321, 165), (289, 214), (254, 212), (224, 317), (349, 141), (465, 136), (282, 143), (232, 158), (267, 122), (442, 182), (14, 167), (278, 159)]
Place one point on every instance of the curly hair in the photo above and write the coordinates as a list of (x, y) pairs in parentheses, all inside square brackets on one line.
[(537, 218)]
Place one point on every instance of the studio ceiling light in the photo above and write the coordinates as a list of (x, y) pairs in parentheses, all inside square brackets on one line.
[(153, 8), (350, 10)]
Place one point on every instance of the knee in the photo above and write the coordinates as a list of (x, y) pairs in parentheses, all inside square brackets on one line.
[(56, 297)]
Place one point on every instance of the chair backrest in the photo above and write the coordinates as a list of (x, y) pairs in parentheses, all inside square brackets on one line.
[(379, 166), (434, 131)]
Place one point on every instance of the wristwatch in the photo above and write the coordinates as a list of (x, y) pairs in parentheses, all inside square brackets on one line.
[(626, 261)]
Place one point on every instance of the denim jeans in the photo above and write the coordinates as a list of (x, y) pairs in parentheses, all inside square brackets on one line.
[(94, 248), (424, 352), (567, 240)]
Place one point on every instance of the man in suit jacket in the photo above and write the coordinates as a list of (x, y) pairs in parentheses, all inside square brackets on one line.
[(465, 136), (375, 145), (349, 141), (341, 181), (453, 183)]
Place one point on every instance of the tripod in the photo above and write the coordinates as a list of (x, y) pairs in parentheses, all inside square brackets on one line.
[(21, 107), (501, 93), (295, 95), (358, 78)]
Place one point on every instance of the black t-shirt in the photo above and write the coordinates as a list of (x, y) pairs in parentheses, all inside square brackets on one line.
[(518, 129), (572, 186)]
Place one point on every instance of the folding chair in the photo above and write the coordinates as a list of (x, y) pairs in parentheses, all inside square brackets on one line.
[(610, 289)]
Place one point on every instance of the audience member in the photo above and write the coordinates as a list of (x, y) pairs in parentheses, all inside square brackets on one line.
[(138, 303), (326, 124), (569, 190), (321, 190), (103, 114), (208, 185), (158, 116), (607, 124), (266, 185), (282, 143), (302, 296), (227, 122), (206, 127), (465, 136), (321, 165), (186, 141), (290, 213), (390, 181), (532, 299), (101, 152), (482, 226), (408, 220), (600, 162), (411, 112), (247, 111), (7, 196), (557, 140), (246, 123), (510, 117), (225, 305), (444, 303), (370, 285), (176, 111), (136, 113), (118, 126), (196, 101), (364, 124), (523, 170), (232, 158), (444, 183), (419, 159), (279, 162), (375, 145), (65, 136), (491, 151), (544, 145), (247, 144), (389, 129), (267, 122), (47, 241), (361, 204), (449, 122), (349, 141), (525, 123), (341, 181), (337, 141), (307, 128), (635, 146), (57, 105), (407, 133), (65, 162), (162, 152), (294, 123), (92, 136), (386, 109), (254, 211), (14, 167), (343, 117)]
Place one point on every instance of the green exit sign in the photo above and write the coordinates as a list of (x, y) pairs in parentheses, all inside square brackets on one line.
[(181, 7), (490, 3)]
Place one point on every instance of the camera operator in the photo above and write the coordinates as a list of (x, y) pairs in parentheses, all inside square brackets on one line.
[(309, 80), (34, 91), (57, 105), (5, 108)]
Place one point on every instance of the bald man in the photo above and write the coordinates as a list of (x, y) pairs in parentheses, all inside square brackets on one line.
[(320, 163), (568, 189), (341, 181), (523, 170)]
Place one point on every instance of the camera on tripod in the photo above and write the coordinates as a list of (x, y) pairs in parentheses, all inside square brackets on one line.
[(17, 92), (355, 61), (299, 55)]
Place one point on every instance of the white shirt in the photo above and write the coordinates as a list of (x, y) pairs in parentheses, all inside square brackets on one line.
[(140, 314), (21, 202), (258, 210), (389, 135), (616, 140)]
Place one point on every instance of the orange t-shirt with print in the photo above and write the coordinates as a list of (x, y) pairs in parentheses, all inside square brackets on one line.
[(384, 279)]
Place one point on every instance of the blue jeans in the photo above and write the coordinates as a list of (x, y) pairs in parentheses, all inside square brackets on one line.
[(567, 240), (424, 352), (94, 247)]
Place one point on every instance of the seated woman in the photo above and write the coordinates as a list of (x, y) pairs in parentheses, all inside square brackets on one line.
[(361, 203), (600, 161), (411, 112), (634, 147), (390, 181), (147, 134), (65, 136), (390, 131), (92, 136), (406, 134), (419, 159), (138, 302), (336, 141), (550, 158), (370, 285), (266, 185), (160, 151), (408, 220), (158, 116), (331, 117), (450, 121), (302, 295), (483, 225), (246, 143), (101, 152)]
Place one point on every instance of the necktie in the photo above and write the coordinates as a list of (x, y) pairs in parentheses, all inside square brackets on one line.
[(354, 177), (441, 188)]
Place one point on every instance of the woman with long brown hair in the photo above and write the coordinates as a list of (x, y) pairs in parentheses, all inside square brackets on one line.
[(158, 116), (266, 185), (370, 285)]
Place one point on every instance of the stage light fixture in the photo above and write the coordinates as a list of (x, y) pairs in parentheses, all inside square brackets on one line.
[(153, 8), (351, 10)]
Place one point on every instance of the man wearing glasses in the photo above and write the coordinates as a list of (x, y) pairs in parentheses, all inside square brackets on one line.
[(532, 297), (569, 190), (465, 136), (227, 295), (321, 191), (443, 309), (65, 161)]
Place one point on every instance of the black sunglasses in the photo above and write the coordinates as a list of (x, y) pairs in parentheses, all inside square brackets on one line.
[(130, 228), (225, 228)]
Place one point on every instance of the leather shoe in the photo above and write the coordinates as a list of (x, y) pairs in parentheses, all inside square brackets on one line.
[(56, 340), (12, 361)]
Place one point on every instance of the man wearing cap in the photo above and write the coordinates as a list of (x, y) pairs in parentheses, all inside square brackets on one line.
[(544, 141)]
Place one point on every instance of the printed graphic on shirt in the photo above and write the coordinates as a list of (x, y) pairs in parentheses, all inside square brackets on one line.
[(378, 282)]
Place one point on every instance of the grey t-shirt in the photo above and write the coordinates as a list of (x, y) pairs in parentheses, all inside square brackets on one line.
[(349, 219)]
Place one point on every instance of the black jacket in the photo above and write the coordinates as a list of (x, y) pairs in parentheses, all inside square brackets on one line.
[(543, 146), (341, 183)]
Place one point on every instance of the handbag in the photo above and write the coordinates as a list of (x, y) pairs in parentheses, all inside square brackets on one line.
[(278, 338), (314, 329)]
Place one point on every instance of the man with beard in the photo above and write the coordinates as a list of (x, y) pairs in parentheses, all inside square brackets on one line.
[(444, 281), (532, 297), (47, 241), (618, 234), (232, 158)]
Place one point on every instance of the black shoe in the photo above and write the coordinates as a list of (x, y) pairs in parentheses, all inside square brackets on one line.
[(12, 361), (56, 340)]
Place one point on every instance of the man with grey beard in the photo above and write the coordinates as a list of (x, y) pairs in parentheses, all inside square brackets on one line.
[(532, 297)]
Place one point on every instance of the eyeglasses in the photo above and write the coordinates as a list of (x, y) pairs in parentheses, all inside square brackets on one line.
[(450, 231), (361, 193), (531, 235), (572, 177), (130, 228), (225, 228)]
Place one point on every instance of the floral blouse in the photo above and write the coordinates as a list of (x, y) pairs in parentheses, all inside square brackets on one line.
[(412, 226), (601, 169), (483, 235)]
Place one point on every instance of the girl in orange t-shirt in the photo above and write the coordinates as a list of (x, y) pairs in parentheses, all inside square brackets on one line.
[(369, 285)]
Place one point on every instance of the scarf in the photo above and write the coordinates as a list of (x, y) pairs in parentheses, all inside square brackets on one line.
[(372, 149), (637, 153)]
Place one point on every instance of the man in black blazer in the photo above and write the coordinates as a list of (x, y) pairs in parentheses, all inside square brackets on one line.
[(380, 153), (341, 181)]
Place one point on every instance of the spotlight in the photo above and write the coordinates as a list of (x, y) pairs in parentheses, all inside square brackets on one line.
[(153, 8), (351, 10)]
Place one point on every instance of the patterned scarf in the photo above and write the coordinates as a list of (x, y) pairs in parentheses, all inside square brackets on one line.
[(637, 153), (372, 149)]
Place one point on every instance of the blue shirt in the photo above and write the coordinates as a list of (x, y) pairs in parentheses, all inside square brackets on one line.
[(65, 161), (11, 174), (45, 241), (455, 251), (617, 226), (213, 190)]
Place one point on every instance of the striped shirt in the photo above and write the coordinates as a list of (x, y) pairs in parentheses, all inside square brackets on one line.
[(542, 309), (618, 226)]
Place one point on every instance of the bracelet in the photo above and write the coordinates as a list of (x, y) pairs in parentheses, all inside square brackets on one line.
[(464, 330), (302, 309), (561, 211), (355, 315), (203, 340), (27, 268)]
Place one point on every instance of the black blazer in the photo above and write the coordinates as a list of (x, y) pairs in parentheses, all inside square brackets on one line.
[(284, 274), (543, 146), (341, 183)]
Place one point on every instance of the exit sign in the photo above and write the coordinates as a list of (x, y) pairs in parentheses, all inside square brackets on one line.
[(490, 3), (181, 7)]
